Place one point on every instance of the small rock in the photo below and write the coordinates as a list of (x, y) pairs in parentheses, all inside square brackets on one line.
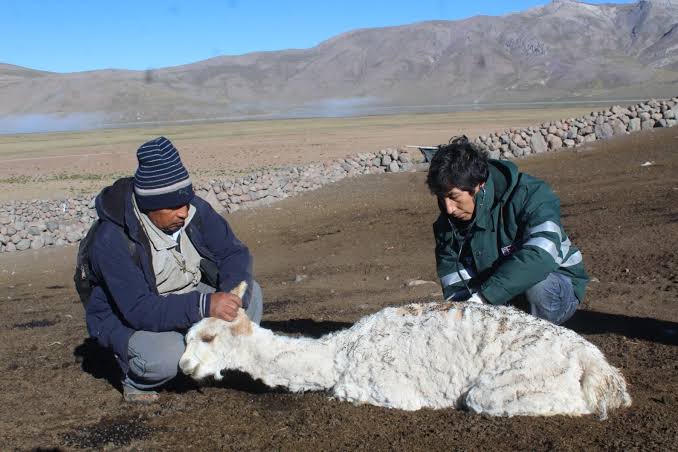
[(213, 201), (603, 131), (34, 230), (72, 236), (634, 125), (538, 144), (618, 127), (23, 244), (519, 141), (647, 125), (37, 243), (299, 278), (417, 282), (407, 167), (555, 142)]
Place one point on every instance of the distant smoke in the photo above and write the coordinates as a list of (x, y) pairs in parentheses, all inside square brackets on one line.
[(50, 123), (352, 106)]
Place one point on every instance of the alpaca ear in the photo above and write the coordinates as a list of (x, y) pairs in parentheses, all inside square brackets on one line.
[(241, 325), (240, 289)]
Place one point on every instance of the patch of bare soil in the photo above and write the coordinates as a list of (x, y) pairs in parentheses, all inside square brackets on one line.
[(358, 242)]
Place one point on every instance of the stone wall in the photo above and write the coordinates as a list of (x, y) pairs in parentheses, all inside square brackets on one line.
[(35, 224), (570, 133)]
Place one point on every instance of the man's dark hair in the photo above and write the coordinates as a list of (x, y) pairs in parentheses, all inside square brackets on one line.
[(459, 164)]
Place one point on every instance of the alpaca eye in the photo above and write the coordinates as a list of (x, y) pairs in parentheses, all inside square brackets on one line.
[(207, 337)]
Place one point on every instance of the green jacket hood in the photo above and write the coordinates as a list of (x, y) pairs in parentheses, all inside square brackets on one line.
[(504, 176), (502, 180)]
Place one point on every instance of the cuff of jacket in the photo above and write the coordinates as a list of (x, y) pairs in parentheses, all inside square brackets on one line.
[(494, 294), (204, 304)]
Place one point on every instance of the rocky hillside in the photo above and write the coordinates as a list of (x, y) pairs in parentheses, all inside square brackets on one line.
[(565, 50)]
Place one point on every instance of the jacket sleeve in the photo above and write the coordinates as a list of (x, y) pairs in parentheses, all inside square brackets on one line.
[(540, 253), (231, 255), (451, 273), (127, 289)]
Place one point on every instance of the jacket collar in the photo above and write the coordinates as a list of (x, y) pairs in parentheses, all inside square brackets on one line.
[(499, 185), (484, 199), (158, 238), (114, 204)]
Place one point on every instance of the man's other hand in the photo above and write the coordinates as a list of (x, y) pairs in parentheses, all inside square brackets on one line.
[(224, 305), (476, 298)]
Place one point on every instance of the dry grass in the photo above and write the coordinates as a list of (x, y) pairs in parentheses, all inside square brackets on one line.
[(53, 165)]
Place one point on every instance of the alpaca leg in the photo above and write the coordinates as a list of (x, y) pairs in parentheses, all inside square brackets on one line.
[(515, 392)]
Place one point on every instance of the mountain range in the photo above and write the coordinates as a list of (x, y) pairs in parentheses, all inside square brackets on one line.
[(563, 51)]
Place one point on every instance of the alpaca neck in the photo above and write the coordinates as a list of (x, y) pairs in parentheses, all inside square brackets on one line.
[(299, 364)]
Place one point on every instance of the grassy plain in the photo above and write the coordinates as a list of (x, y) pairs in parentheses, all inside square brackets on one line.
[(56, 165)]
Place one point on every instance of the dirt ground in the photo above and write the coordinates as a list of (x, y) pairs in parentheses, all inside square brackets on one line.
[(358, 242), (58, 165)]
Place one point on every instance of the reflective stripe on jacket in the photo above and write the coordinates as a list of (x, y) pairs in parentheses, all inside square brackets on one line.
[(515, 241)]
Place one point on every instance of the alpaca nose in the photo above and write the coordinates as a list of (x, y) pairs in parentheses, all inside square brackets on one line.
[(188, 366)]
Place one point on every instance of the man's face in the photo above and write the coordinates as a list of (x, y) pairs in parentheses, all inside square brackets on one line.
[(169, 220), (459, 204)]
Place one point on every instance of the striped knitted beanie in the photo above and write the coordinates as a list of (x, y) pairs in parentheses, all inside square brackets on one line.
[(161, 180)]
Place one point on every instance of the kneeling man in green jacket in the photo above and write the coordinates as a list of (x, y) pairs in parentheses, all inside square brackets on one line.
[(499, 235)]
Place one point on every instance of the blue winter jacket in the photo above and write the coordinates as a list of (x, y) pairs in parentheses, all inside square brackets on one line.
[(127, 299)]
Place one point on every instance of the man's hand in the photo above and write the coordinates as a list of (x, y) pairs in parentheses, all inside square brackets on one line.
[(476, 298), (224, 305)]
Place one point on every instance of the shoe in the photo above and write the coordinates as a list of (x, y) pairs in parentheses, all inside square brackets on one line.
[(133, 395)]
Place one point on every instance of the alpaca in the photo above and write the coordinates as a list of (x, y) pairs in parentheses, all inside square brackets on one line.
[(487, 359)]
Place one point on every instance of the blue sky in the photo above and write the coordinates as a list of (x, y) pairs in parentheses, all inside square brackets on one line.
[(69, 36)]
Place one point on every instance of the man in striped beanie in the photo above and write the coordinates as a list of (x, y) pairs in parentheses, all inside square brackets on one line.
[(161, 260)]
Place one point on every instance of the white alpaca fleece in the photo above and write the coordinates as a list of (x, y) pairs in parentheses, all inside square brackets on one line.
[(487, 359)]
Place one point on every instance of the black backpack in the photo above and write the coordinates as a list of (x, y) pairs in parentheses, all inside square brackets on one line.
[(84, 278)]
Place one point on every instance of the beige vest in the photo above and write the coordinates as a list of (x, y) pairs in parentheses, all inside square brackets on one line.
[(175, 272)]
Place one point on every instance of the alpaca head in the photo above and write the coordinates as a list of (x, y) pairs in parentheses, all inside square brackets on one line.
[(213, 344)]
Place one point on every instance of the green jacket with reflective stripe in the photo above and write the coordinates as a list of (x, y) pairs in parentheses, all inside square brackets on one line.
[(514, 241)]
